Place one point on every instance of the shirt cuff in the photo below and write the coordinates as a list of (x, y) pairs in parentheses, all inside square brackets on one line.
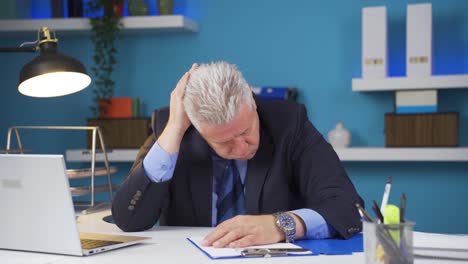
[(158, 164), (316, 227)]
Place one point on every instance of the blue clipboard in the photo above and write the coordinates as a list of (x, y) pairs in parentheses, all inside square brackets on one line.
[(240, 256), (318, 247)]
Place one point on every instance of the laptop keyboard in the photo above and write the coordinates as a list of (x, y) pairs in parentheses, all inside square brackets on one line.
[(94, 243)]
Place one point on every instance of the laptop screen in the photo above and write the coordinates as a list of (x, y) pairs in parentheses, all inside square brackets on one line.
[(36, 205)]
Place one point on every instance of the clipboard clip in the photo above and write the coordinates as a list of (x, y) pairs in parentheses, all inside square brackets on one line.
[(270, 252)]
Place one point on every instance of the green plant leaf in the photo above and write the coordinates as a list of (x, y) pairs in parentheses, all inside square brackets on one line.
[(105, 30)]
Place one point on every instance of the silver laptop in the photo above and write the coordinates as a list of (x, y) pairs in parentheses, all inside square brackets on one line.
[(37, 211)]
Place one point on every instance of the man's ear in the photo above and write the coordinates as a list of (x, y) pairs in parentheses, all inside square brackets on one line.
[(254, 103), (253, 99)]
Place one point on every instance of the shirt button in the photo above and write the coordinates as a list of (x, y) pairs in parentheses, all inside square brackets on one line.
[(131, 207), (133, 202), (164, 167), (138, 193)]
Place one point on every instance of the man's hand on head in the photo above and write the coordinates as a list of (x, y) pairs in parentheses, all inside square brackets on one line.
[(177, 116), (178, 122)]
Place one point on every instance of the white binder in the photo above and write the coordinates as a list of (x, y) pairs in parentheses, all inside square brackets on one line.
[(374, 42), (419, 40)]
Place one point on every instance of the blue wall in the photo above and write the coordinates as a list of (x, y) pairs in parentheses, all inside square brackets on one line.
[(314, 45)]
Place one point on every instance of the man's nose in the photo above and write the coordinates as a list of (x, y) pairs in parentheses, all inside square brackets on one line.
[(240, 146)]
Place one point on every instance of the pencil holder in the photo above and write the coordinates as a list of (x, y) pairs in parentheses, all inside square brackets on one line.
[(388, 243)]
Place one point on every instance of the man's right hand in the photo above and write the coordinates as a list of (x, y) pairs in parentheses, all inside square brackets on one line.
[(178, 121)]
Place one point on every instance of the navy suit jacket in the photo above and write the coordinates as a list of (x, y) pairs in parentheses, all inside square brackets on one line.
[(293, 168)]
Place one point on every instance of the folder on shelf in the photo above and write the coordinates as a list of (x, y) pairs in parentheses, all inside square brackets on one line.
[(419, 40), (136, 106), (374, 42), (118, 107), (268, 93)]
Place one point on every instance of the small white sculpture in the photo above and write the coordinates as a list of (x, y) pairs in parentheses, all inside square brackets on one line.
[(339, 137)]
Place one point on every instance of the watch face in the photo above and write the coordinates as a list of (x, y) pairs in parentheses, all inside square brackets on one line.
[(287, 222)]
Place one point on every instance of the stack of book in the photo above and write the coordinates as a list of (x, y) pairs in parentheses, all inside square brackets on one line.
[(410, 102)]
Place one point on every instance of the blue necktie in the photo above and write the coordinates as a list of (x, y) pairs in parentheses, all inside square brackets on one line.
[(231, 200)]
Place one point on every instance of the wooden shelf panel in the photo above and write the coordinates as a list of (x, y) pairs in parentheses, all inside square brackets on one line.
[(413, 83), (403, 154)]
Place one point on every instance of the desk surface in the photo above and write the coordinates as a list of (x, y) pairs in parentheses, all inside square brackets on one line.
[(168, 245)]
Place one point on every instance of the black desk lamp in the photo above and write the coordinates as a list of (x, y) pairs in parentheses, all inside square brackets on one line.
[(50, 74)]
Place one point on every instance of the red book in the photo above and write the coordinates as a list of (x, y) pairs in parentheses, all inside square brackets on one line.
[(119, 107)]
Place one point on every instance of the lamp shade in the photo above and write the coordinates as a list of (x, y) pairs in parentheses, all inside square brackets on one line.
[(52, 74)]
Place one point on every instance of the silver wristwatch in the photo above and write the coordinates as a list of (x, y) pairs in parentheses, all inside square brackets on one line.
[(286, 223)]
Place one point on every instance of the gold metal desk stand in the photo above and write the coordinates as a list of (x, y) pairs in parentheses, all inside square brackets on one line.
[(93, 172)]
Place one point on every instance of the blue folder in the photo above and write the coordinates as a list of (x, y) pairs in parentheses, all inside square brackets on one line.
[(268, 93), (333, 246)]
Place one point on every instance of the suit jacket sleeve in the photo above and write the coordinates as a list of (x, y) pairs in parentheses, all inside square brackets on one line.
[(323, 182), (138, 203)]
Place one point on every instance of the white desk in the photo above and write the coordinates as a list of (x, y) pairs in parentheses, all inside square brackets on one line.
[(168, 245)]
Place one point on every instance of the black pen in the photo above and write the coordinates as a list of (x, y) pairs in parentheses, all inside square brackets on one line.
[(402, 208), (377, 212)]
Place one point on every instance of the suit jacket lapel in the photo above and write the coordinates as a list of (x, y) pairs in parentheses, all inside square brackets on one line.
[(257, 170), (200, 174)]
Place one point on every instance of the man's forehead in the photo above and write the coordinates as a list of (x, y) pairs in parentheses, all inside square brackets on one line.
[(221, 133)]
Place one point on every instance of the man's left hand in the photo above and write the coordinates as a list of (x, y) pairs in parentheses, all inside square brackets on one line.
[(244, 231)]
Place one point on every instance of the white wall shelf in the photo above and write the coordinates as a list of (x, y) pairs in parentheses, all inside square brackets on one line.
[(412, 83), (130, 24), (345, 154), (403, 154), (114, 155)]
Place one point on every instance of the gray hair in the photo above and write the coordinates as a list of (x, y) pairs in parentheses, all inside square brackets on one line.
[(215, 93)]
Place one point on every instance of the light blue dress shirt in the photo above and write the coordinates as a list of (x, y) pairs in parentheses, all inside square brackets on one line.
[(159, 167)]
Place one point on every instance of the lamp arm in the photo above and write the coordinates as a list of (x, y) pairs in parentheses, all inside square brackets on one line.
[(45, 35), (19, 49)]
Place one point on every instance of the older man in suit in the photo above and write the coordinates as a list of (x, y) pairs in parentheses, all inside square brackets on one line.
[(259, 172)]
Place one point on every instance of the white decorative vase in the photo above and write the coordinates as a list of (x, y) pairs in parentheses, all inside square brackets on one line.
[(339, 137)]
